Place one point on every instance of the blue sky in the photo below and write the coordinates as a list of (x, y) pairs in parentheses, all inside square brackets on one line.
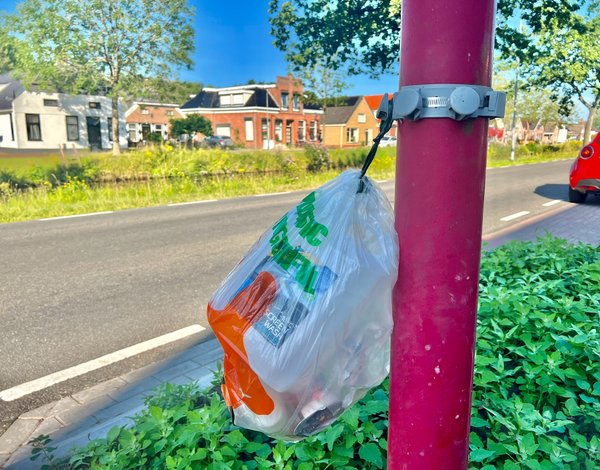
[(233, 45)]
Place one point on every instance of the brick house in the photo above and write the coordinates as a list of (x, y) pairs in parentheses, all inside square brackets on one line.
[(145, 118), (350, 125), (259, 115)]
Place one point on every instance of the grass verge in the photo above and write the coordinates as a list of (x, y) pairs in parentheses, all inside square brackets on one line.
[(164, 175)]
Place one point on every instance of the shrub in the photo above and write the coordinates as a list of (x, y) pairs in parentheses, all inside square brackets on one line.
[(318, 157), (535, 400), (537, 382)]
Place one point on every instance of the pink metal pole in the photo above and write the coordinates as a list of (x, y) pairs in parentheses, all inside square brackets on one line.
[(440, 178)]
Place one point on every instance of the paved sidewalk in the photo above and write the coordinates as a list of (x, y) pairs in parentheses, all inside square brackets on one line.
[(573, 222), (89, 414)]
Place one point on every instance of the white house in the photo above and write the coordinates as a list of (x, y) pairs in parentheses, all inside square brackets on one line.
[(33, 120)]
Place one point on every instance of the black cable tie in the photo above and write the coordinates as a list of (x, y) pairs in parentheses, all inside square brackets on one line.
[(385, 125)]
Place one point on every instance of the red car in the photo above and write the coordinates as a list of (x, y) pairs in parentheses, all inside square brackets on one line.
[(585, 172)]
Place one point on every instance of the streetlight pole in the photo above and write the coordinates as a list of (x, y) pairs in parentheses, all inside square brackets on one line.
[(440, 179), (513, 145)]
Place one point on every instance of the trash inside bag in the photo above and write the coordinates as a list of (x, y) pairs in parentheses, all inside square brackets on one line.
[(305, 318)]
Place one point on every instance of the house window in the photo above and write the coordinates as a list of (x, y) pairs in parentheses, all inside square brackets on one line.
[(132, 132), (145, 111), (224, 130), (278, 130), (285, 102), (72, 128), (158, 127), (34, 130), (110, 132), (94, 105), (225, 100), (362, 118), (296, 102), (53, 103), (170, 113), (249, 125), (302, 131), (313, 130), (238, 99), (352, 135)]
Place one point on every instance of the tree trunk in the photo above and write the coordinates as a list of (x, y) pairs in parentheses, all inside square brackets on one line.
[(588, 124), (115, 126)]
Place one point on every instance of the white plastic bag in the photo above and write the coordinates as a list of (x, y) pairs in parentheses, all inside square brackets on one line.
[(305, 318)]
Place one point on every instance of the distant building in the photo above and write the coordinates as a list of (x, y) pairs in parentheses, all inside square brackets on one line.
[(145, 118), (351, 125), (259, 115), (35, 120)]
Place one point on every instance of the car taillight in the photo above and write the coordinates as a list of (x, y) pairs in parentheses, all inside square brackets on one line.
[(586, 152)]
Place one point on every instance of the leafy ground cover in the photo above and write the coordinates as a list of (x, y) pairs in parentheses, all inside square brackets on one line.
[(536, 397), (100, 182)]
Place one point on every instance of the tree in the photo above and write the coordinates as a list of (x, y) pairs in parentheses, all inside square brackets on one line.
[(323, 83), (169, 91), (190, 125), (567, 60), (7, 52), (361, 36), (109, 45), (364, 36), (537, 107)]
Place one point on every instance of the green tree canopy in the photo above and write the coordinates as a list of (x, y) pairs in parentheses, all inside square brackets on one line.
[(169, 91), (364, 36), (190, 125), (109, 45), (557, 47), (7, 52), (566, 59), (535, 105)]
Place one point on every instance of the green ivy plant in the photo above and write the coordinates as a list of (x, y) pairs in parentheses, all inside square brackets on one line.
[(536, 396)]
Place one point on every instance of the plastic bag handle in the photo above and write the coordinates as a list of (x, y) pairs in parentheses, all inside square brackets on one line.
[(384, 126)]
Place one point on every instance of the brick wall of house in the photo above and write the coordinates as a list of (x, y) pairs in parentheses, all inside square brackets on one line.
[(151, 116), (284, 123), (155, 114), (290, 85), (337, 135), (237, 124), (370, 125)]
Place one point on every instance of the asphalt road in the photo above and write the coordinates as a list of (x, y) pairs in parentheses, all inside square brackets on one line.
[(75, 289)]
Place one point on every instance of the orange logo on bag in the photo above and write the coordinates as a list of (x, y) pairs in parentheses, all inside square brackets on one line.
[(242, 385)]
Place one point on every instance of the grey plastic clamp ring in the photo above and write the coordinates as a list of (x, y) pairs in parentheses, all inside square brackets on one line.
[(456, 102)]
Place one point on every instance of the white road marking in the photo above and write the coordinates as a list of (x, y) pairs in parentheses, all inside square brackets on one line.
[(272, 194), (551, 203), (514, 216), (191, 202), (77, 215), (36, 385)]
